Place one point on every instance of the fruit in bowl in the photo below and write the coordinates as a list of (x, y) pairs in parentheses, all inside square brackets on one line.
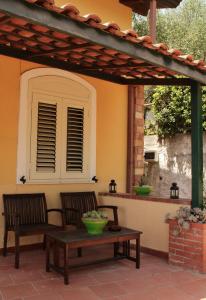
[(95, 221)]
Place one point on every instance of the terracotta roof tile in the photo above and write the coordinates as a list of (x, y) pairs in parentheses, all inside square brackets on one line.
[(69, 10), (55, 44), (174, 52), (186, 57)]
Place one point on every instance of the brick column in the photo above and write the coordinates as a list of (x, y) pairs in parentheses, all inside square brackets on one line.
[(135, 154), (188, 249)]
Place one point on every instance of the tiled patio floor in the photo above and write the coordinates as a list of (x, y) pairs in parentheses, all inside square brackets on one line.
[(118, 280)]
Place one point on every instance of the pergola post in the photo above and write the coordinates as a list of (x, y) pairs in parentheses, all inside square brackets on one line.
[(197, 145), (153, 19)]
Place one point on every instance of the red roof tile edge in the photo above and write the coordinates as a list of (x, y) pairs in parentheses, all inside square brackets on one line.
[(95, 21)]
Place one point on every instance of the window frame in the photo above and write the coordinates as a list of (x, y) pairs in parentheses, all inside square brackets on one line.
[(24, 127)]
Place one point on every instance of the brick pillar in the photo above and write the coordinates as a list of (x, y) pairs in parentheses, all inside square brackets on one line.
[(135, 155), (188, 249)]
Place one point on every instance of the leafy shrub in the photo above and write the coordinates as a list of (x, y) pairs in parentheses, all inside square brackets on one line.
[(185, 216), (171, 106), (95, 215)]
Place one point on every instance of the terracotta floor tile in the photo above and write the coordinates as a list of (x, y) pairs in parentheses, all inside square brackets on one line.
[(22, 276), (170, 293), (82, 280), (5, 279), (54, 296), (108, 276), (196, 289), (79, 294), (17, 291), (108, 290), (53, 284)]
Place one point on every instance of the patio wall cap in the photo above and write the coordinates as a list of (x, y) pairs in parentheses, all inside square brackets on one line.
[(146, 198)]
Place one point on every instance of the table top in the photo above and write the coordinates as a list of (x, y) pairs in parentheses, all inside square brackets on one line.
[(79, 235)]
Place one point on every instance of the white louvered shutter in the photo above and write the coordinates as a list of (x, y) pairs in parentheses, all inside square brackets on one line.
[(75, 122), (75, 139), (44, 138)]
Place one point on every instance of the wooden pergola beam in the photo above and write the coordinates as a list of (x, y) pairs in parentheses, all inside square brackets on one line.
[(24, 55), (160, 81)]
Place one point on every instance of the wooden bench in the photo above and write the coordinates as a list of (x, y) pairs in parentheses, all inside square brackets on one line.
[(26, 214), (75, 204)]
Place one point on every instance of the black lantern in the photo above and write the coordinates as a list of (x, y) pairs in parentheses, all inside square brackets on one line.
[(174, 191), (112, 186)]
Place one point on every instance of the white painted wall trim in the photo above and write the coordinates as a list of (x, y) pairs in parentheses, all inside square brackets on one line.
[(24, 118)]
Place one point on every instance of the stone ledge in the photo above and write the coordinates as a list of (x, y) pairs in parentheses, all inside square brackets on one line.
[(146, 198)]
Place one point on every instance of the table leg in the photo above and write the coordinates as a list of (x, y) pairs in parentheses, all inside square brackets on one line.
[(56, 254), (116, 249), (124, 247), (138, 253), (66, 264), (128, 248), (47, 255), (79, 252)]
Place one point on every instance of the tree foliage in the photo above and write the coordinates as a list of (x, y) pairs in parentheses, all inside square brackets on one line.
[(172, 109), (183, 28)]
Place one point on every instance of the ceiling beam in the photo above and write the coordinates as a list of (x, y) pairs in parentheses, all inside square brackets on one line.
[(161, 81), (47, 61), (57, 22)]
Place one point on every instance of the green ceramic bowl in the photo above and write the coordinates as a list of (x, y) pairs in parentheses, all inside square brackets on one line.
[(143, 190), (94, 227)]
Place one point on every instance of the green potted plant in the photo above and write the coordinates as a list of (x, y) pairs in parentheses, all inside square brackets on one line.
[(143, 188), (185, 216), (95, 221)]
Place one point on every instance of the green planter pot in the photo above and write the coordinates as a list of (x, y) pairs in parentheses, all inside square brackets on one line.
[(143, 190), (95, 227)]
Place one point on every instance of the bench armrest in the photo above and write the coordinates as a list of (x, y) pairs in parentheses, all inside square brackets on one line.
[(72, 209), (107, 206), (55, 209), (114, 208)]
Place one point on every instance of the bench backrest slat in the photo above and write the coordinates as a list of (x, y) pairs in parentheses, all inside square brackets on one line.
[(31, 208), (83, 201)]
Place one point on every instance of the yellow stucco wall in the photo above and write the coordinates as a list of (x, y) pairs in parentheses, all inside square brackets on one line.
[(146, 216), (107, 10), (111, 123)]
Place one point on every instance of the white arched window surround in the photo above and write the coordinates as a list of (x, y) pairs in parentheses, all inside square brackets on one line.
[(24, 128)]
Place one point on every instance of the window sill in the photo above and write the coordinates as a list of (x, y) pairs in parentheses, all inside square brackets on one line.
[(66, 181), (146, 198)]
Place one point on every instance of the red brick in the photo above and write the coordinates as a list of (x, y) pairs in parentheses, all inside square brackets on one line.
[(139, 164), (176, 258), (193, 249), (139, 122), (192, 243), (176, 245), (191, 237), (140, 108), (172, 250), (140, 150)]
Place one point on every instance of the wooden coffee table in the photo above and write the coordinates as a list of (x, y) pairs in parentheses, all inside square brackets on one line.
[(80, 238)]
